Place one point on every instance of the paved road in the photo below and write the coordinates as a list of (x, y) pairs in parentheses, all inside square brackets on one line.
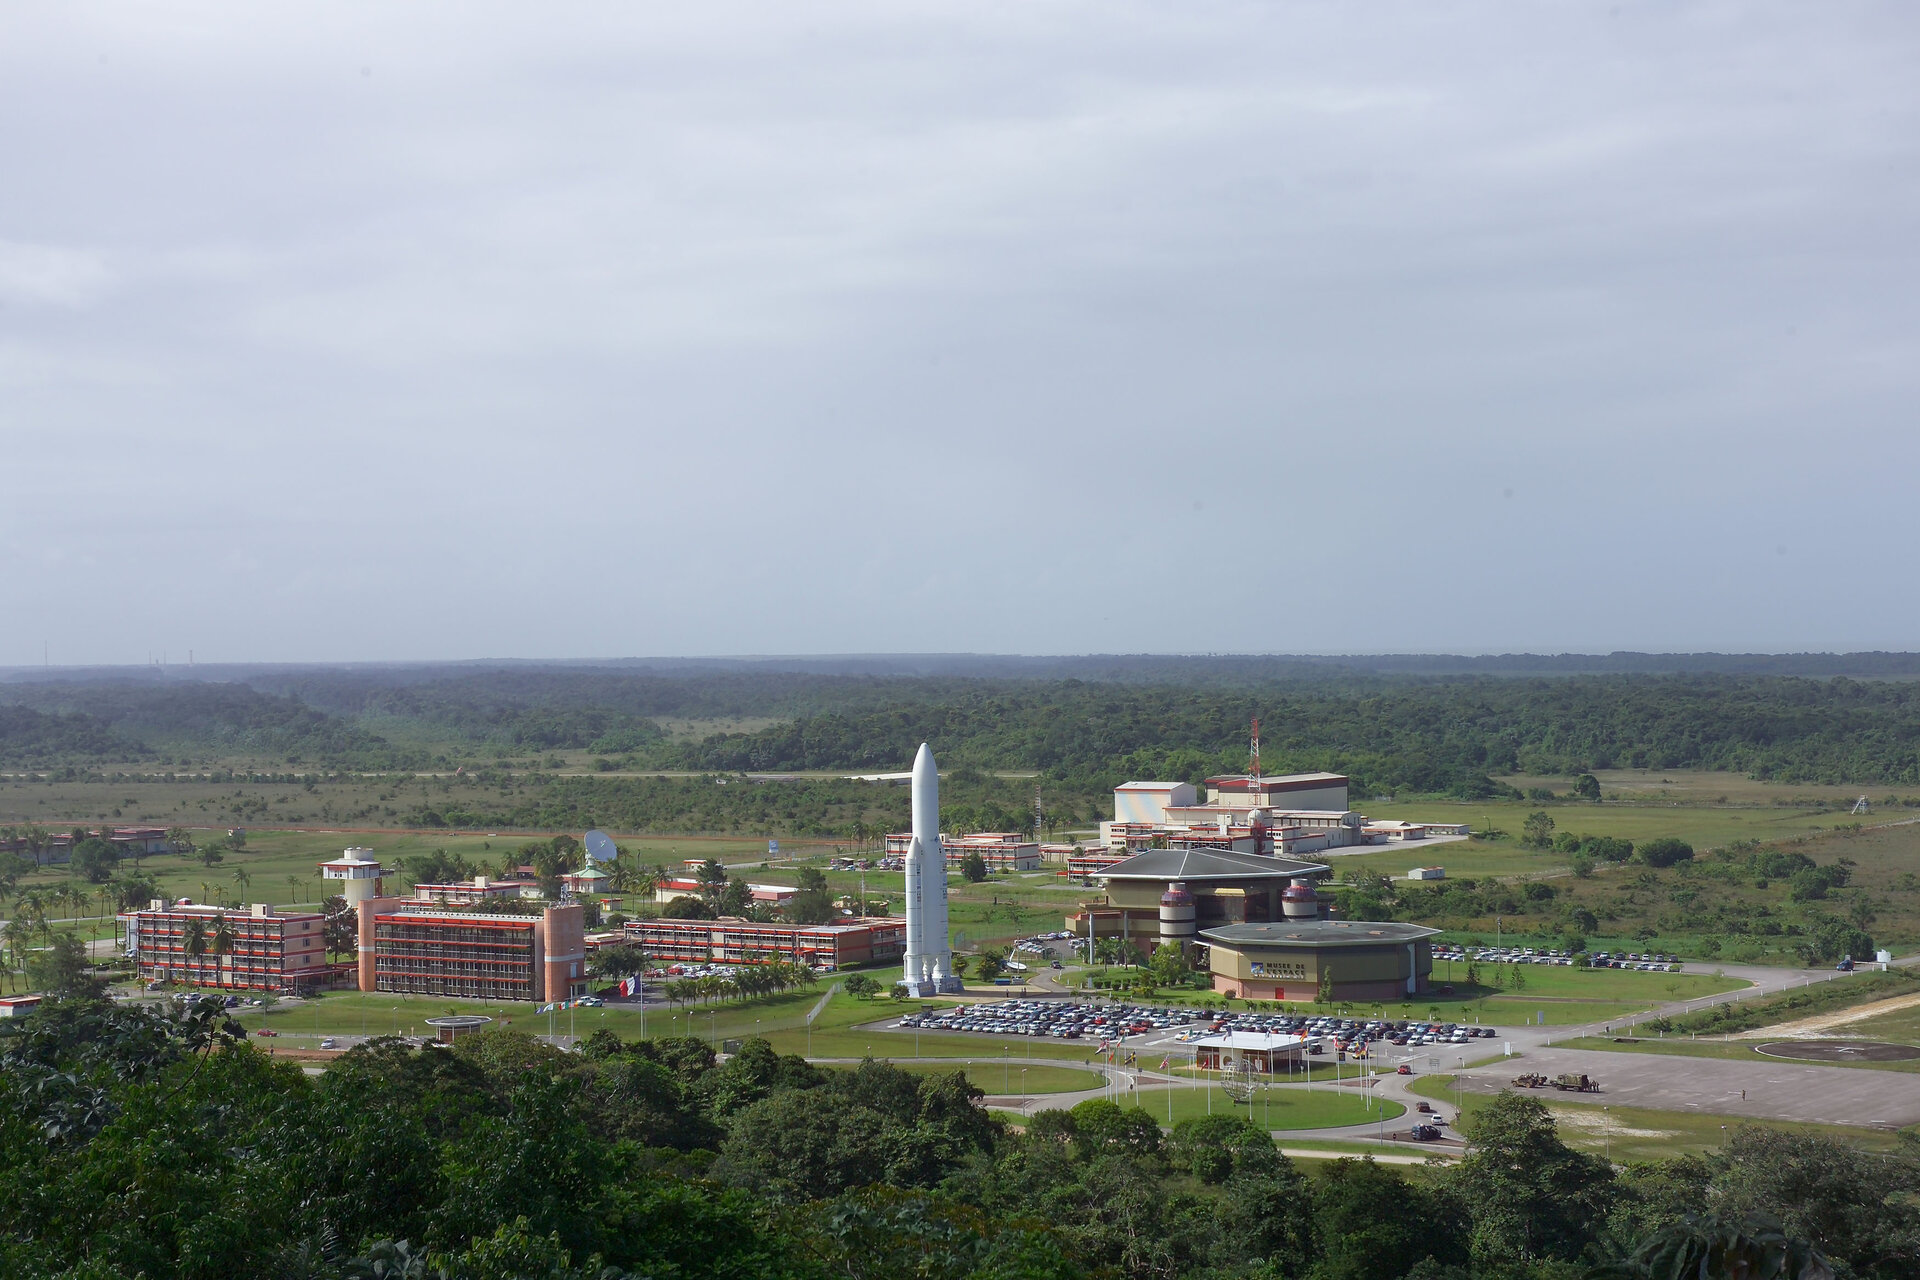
[(1773, 1091), (1782, 1091)]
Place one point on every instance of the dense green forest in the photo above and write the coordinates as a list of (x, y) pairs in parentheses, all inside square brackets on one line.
[(140, 1143), (1392, 733)]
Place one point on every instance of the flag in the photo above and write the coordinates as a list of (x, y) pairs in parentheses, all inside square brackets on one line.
[(546, 1008), (1164, 1061)]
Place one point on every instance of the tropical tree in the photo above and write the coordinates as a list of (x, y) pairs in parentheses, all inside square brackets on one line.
[(194, 943), (224, 940)]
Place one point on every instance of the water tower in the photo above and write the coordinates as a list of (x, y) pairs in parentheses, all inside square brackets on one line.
[(359, 872)]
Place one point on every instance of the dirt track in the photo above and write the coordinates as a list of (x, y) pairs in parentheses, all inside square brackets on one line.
[(1807, 1027)]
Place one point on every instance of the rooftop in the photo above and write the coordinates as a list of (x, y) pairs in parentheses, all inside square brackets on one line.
[(1246, 782), (1251, 1040), (1316, 933), (1206, 864)]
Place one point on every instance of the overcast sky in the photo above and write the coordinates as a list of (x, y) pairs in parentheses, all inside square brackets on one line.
[(345, 331)]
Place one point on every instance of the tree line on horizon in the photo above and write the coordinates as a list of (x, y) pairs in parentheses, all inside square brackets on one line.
[(1394, 735)]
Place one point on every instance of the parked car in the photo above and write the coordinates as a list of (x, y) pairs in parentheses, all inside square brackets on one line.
[(327, 1043), (266, 1031)]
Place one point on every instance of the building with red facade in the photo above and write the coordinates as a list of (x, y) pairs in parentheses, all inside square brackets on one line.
[(419, 948), (851, 942), (251, 949)]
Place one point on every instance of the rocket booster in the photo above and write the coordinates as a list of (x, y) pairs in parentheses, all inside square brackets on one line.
[(928, 963), (936, 961)]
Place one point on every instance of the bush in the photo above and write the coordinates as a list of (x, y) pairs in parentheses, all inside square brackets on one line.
[(1665, 852)]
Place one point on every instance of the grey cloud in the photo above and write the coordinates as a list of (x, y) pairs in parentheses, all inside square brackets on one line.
[(368, 331)]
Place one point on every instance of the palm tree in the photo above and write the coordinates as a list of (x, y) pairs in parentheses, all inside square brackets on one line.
[(293, 888), (223, 940), (245, 881), (195, 944), (10, 950)]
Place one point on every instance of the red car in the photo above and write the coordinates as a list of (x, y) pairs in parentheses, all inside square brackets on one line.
[(266, 1031)]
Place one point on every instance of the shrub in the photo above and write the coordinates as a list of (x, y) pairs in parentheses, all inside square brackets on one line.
[(1665, 852)]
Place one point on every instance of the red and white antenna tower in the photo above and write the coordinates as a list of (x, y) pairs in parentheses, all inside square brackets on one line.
[(1256, 751)]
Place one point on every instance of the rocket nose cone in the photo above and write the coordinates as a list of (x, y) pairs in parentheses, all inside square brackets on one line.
[(923, 763)]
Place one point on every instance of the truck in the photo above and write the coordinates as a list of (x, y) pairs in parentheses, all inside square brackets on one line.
[(1577, 1082), (1530, 1080)]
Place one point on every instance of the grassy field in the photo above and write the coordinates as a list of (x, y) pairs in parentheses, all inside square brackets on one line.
[(1634, 1133), (1902, 1026), (1274, 1108), (845, 1029), (282, 867), (1732, 1050)]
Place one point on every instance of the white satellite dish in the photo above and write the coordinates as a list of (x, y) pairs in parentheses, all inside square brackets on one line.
[(600, 847)]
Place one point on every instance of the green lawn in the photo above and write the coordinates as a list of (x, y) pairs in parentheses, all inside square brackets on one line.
[(282, 867), (1731, 1050), (847, 1028), (1697, 820), (1635, 1133), (1902, 1026), (1275, 1108)]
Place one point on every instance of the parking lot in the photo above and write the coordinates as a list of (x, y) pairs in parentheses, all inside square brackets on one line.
[(1645, 962), (1156, 1026)]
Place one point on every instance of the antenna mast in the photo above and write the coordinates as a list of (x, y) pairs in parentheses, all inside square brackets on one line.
[(1256, 751)]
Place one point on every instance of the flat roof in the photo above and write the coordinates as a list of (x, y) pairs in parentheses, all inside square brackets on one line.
[(429, 914), (1251, 1040), (1207, 864), (1275, 781), (1317, 933), (846, 924)]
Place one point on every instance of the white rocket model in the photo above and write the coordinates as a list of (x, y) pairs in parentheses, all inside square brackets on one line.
[(928, 963)]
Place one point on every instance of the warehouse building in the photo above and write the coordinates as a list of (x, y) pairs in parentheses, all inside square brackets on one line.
[(1287, 815), (248, 949), (1287, 959), (851, 942), (422, 949)]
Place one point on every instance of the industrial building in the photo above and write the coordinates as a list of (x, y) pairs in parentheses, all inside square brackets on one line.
[(1287, 959), (1286, 815), (251, 949), (1223, 888), (423, 949), (734, 941)]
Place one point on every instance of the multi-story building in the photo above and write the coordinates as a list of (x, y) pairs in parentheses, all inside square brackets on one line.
[(734, 941), (768, 895), (1002, 850), (251, 949), (468, 893), (420, 948)]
